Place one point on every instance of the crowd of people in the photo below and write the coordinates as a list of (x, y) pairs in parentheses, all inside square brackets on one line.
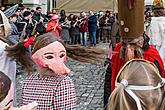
[(135, 75), (73, 29)]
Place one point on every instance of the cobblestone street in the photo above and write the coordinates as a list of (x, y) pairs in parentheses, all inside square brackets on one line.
[(89, 83)]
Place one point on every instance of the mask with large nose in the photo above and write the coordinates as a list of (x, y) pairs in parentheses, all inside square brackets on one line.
[(52, 56)]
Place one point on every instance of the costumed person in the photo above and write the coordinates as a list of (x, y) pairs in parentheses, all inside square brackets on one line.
[(156, 29), (134, 44), (54, 26), (139, 87), (7, 66), (6, 95), (52, 77), (49, 54)]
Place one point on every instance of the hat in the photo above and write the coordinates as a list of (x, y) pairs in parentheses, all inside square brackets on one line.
[(26, 13), (131, 19), (5, 22), (158, 3), (55, 17), (158, 8)]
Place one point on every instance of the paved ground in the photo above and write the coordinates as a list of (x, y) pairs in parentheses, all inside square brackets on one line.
[(89, 82)]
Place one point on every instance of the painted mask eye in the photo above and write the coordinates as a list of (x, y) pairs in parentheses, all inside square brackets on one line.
[(49, 57), (62, 55)]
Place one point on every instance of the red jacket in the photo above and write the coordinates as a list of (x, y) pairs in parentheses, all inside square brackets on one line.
[(55, 27), (151, 54), (84, 25)]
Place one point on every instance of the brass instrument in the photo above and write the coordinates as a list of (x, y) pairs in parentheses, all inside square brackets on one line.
[(34, 32), (23, 31)]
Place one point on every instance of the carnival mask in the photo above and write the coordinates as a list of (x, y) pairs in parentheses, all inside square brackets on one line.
[(53, 56)]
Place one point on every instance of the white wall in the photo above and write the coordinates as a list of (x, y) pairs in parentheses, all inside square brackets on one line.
[(35, 3), (43, 5), (148, 2), (31, 1)]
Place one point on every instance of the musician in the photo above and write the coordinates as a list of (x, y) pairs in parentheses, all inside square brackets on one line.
[(54, 26), (107, 21), (38, 16), (40, 19), (74, 30), (92, 26), (156, 29), (66, 25), (18, 13), (62, 16), (13, 35), (83, 25), (30, 23)]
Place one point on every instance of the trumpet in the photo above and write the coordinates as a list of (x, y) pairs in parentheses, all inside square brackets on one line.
[(34, 32)]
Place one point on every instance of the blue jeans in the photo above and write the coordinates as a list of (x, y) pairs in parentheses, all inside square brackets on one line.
[(83, 38), (75, 39), (93, 37)]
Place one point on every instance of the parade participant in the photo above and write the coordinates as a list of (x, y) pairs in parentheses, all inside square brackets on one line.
[(74, 30), (66, 25), (107, 21), (92, 28), (7, 66), (54, 26), (155, 29), (139, 87), (52, 77), (40, 19), (6, 95), (13, 35), (83, 25), (30, 25), (134, 44), (49, 54)]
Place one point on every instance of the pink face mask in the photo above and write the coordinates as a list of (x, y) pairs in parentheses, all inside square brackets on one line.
[(53, 56)]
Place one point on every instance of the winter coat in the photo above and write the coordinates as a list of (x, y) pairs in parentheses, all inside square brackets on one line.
[(92, 23), (55, 27), (65, 30), (84, 25), (13, 35), (74, 30)]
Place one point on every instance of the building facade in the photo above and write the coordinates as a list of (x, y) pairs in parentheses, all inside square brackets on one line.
[(46, 5)]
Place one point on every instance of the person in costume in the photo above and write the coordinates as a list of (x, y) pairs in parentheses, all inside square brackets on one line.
[(134, 44), (6, 95), (50, 86), (156, 29), (139, 87), (52, 76), (7, 66)]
